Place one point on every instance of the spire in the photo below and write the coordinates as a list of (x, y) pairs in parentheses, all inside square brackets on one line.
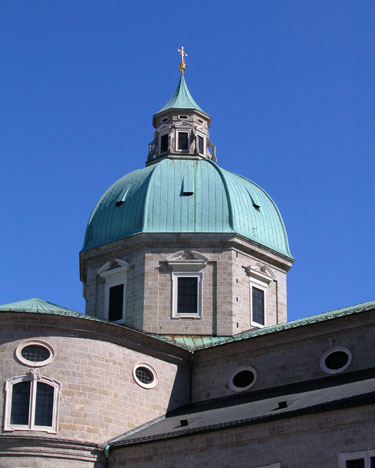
[(181, 99), (181, 126)]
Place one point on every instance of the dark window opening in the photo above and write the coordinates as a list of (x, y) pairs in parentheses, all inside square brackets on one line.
[(116, 300), (258, 305), (164, 143), (336, 360), (372, 462), (183, 117), (200, 144), (43, 404), (243, 379), (144, 375), (187, 300), (359, 463), (20, 403), (183, 143), (35, 353)]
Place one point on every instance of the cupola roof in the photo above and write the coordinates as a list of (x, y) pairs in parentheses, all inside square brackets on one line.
[(181, 99)]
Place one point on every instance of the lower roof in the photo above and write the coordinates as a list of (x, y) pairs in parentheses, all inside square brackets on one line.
[(321, 395)]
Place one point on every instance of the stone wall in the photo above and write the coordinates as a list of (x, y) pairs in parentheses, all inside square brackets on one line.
[(284, 357), (94, 363), (226, 285), (40, 452)]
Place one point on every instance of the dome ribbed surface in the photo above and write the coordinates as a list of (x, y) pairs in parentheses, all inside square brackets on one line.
[(186, 196)]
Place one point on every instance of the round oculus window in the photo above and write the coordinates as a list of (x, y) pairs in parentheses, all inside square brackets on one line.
[(335, 360), (242, 379), (183, 117), (144, 375), (165, 119), (35, 353)]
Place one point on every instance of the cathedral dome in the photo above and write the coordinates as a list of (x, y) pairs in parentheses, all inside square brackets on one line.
[(177, 195)]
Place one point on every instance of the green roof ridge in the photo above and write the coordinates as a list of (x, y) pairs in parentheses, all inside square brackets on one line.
[(212, 341), (181, 99)]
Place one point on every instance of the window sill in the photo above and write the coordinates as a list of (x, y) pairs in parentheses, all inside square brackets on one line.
[(189, 316)]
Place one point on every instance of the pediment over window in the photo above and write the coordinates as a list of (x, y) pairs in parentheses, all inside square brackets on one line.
[(113, 267), (261, 272), (187, 260)]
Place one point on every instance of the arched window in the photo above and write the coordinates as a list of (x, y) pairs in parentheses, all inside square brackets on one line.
[(31, 403)]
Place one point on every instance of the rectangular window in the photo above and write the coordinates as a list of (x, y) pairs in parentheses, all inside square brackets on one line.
[(116, 302), (258, 305), (200, 144), (164, 143), (183, 143), (187, 295), (187, 299)]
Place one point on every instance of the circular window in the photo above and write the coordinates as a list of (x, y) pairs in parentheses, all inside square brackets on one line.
[(243, 378), (335, 360), (144, 375), (165, 119), (183, 117), (35, 353), (200, 121)]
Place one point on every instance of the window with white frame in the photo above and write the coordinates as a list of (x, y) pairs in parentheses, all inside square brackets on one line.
[(260, 278), (364, 459), (187, 295), (31, 403), (187, 283), (115, 274), (335, 360), (258, 296)]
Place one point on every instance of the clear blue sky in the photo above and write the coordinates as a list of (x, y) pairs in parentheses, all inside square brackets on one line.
[(289, 85)]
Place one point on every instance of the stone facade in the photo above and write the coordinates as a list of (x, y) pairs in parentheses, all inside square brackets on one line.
[(282, 358), (100, 400), (94, 362), (226, 302)]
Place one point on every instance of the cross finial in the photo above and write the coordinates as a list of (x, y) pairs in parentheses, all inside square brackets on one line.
[(182, 65)]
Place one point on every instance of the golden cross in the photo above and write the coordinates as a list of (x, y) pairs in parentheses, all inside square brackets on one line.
[(182, 65), (182, 52)]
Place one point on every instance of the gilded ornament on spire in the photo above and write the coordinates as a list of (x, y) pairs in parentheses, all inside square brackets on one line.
[(182, 65)]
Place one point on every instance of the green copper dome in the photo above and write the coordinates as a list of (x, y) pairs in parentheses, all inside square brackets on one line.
[(186, 196)]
